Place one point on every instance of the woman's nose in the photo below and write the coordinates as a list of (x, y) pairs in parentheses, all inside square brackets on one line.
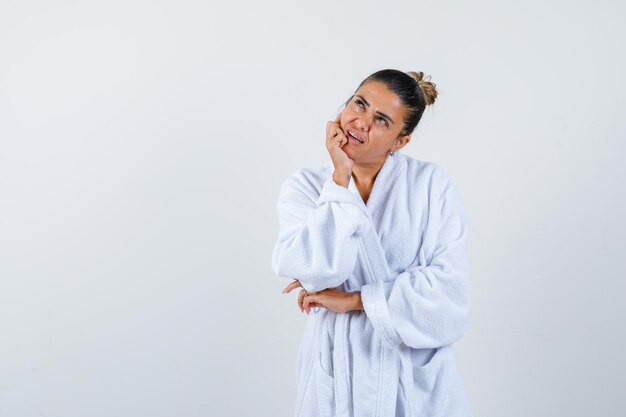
[(362, 124)]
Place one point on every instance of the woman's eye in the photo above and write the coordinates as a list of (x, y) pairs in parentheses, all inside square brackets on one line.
[(359, 103), (383, 120)]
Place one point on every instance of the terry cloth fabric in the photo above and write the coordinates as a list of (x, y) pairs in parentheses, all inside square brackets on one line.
[(405, 250)]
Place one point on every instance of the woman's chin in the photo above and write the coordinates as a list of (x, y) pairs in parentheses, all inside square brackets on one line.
[(348, 149), (352, 153)]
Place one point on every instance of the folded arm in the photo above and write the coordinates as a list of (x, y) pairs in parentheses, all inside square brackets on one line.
[(317, 239)]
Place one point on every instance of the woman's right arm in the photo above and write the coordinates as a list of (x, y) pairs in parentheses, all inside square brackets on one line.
[(317, 239), (317, 234)]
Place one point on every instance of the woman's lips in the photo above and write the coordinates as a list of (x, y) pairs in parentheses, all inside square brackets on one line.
[(354, 139)]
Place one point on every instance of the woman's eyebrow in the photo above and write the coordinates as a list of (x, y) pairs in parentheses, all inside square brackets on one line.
[(378, 112)]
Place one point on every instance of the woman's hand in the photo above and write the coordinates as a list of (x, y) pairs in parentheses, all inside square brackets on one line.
[(335, 140), (330, 298), (301, 295)]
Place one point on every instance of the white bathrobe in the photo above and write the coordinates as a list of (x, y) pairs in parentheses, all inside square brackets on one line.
[(406, 252)]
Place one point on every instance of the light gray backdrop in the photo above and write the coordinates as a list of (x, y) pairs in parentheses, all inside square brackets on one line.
[(143, 143)]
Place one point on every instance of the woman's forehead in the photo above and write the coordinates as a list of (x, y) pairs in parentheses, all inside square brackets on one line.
[(380, 97)]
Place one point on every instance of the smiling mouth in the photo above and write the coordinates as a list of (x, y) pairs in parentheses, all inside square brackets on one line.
[(354, 137)]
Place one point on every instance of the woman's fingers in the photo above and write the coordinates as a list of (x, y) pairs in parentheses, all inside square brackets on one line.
[(311, 300), (335, 136), (332, 130), (300, 299), (312, 305), (291, 286), (335, 140)]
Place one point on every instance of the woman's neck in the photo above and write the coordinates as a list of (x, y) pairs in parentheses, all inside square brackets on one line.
[(364, 175)]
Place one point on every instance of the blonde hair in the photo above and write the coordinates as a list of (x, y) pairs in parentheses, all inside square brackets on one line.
[(427, 87)]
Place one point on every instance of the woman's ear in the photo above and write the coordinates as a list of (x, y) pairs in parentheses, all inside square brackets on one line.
[(401, 142)]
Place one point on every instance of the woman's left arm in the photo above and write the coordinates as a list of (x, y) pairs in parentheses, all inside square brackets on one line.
[(427, 306)]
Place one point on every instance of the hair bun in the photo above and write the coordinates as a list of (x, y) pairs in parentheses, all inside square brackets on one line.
[(427, 87)]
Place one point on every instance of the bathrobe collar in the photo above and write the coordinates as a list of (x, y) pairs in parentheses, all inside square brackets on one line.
[(375, 206), (382, 184)]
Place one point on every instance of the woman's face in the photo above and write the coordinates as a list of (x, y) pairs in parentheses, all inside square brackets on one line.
[(375, 115)]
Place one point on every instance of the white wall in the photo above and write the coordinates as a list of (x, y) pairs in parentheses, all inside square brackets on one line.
[(142, 145)]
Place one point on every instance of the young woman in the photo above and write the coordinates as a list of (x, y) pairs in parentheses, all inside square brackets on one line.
[(377, 240)]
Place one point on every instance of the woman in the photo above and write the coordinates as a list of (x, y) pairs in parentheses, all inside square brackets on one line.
[(377, 241)]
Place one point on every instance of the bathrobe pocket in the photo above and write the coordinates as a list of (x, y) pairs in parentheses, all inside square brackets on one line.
[(325, 389), (425, 392)]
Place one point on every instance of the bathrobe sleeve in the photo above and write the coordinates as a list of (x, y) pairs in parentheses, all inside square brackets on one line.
[(317, 239), (427, 306)]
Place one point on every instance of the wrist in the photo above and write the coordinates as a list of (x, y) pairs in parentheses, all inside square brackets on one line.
[(358, 303), (342, 177)]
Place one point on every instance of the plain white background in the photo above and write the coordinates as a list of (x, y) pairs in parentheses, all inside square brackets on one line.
[(143, 143)]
